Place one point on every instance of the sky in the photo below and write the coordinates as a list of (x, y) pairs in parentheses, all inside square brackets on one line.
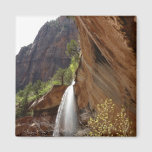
[(27, 28)]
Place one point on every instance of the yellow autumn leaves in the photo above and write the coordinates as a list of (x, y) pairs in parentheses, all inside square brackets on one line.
[(110, 121)]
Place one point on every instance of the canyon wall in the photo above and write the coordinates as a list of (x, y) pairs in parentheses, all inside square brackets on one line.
[(108, 63), (41, 59), (107, 69)]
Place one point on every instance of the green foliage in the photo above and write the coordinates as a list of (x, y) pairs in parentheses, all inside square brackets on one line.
[(65, 76), (110, 121), (62, 77), (72, 48), (68, 76), (22, 99), (39, 88), (59, 76), (28, 94)]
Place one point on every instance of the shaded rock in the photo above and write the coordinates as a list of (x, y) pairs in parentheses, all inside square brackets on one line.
[(34, 126), (108, 64), (82, 132)]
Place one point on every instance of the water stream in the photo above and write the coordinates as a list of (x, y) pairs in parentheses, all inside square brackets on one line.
[(66, 123)]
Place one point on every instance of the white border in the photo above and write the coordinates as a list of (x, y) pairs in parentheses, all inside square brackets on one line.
[(10, 9)]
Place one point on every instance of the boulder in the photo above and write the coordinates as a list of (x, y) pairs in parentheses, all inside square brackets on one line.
[(50, 100)]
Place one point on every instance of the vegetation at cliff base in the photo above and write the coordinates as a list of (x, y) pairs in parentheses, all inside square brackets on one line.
[(72, 49), (36, 90), (30, 93), (65, 76), (110, 121)]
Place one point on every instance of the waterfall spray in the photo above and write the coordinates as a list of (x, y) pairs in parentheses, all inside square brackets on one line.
[(66, 123)]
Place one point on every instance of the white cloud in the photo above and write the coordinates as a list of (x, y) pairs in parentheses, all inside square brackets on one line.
[(27, 28)]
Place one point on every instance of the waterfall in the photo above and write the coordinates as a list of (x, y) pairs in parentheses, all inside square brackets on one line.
[(66, 123)]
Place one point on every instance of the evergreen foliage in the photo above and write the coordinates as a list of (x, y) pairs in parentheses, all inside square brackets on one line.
[(62, 77), (72, 49)]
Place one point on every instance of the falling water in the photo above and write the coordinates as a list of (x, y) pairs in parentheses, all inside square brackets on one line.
[(66, 121)]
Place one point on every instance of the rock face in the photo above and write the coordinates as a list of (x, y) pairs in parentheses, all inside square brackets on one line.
[(41, 59), (34, 126), (45, 111), (50, 100), (108, 63)]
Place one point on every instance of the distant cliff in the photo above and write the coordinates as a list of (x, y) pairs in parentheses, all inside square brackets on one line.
[(41, 59)]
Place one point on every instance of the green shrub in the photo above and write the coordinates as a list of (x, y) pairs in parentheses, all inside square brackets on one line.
[(34, 91), (72, 48)]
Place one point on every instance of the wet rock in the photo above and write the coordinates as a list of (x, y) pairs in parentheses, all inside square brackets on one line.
[(108, 64), (34, 126)]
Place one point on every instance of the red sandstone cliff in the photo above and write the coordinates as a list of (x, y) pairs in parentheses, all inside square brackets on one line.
[(108, 63), (107, 70)]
